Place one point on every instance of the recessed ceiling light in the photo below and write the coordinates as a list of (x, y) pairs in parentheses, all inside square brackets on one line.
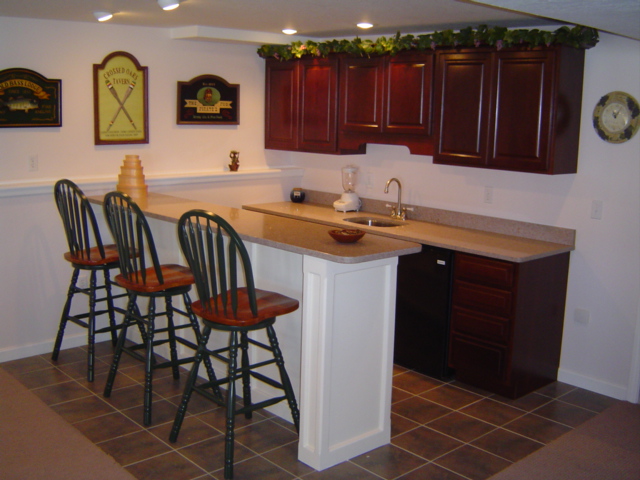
[(103, 16), (289, 31), (365, 25), (169, 4)]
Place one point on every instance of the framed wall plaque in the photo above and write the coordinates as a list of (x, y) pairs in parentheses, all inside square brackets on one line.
[(120, 106), (208, 100), (27, 99)]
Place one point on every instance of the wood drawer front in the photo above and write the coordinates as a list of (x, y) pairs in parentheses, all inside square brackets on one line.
[(481, 299), (485, 271), (478, 359), (483, 327)]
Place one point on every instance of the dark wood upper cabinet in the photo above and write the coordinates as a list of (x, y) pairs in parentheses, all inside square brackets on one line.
[(408, 85), (301, 105), (510, 109), (281, 105), (387, 100), (462, 101)]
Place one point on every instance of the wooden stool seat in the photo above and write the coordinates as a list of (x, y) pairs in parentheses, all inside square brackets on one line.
[(173, 276), (93, 257), (270, 304)]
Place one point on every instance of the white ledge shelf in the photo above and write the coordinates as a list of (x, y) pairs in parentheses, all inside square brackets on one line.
[(19, 188)]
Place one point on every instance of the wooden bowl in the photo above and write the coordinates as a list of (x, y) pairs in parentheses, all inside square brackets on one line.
[(346, 235)]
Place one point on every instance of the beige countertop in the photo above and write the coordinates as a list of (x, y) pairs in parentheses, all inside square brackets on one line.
[(495, 245), (287, 234)]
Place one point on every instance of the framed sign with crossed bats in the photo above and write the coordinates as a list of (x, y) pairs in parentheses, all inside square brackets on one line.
[(120, 103)]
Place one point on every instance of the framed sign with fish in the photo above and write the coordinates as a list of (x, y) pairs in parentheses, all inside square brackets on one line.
[(208, 100), (27, 99), (120, 106)]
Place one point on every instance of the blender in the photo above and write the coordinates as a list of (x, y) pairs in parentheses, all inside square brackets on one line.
[(349, 201)]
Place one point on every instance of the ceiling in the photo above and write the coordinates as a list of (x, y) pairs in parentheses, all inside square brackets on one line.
[(261, 21)]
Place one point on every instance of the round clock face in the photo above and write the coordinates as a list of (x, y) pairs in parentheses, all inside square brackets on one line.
[(616, 117)]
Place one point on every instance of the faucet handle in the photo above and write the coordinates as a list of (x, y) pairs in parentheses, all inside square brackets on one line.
[(393, 210), (403, 214)]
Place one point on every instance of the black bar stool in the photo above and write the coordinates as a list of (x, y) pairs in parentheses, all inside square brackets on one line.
[(224, 306), (86, 252), (142, 275)]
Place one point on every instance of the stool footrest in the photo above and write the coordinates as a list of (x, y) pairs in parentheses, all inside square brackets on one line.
[(259, 405)]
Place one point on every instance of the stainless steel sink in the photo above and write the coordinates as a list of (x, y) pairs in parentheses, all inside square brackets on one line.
[(375, 222)]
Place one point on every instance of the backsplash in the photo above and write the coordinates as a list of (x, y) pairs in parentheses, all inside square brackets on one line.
[(534, 231)]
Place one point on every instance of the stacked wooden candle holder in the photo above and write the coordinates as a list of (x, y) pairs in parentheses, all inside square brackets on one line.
[(131, 178)]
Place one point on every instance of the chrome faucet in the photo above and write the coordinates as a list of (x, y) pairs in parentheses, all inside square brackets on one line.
[(398, 211)]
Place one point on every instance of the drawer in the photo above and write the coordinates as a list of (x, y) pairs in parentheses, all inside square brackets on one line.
[(476, 359), (486, 300), (479, 326), (486, 271)]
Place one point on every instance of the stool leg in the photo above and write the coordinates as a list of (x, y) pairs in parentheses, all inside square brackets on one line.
[(65, 313), (246, 374), (284, 377), (188, 388), (231, 410), (149, 362), (128, 318), (207, 360), (91, 326), (171, 330), (110, 306)]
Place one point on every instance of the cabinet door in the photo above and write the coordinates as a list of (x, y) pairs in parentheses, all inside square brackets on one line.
[(463, 98), (281, 105), (318, 104), (361, 91), (520, 128), (408, 78)]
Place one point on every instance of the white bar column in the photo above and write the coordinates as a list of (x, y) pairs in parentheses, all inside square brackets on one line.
[(347, 359)]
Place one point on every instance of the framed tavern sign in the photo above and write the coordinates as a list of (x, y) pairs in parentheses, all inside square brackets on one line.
[(120, 106), (208, 100), (27, 99)]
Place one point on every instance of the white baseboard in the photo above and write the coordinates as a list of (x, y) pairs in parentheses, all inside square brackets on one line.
[(14, 353), (619, 392)]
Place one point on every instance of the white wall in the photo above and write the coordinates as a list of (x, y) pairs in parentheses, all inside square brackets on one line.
[(605, 267)]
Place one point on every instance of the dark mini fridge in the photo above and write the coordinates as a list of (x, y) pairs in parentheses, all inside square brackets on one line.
[(423, 305)]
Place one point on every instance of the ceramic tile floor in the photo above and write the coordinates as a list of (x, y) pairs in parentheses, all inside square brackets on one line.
[(440, 430)]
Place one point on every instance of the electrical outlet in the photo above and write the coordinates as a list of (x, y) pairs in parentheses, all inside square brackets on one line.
[(488, 194), (33, 163), (580, 315), (368, 180), (596, 209)]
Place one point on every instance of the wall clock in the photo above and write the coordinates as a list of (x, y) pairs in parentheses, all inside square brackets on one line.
[(616, 117)]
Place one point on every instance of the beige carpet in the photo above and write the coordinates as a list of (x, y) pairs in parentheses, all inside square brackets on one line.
[(37, 444), (607, 447)]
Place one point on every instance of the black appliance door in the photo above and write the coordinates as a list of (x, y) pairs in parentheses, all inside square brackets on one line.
[(423, 304)]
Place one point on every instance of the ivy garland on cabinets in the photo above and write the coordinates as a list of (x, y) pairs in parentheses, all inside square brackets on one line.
[(500, 37)]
